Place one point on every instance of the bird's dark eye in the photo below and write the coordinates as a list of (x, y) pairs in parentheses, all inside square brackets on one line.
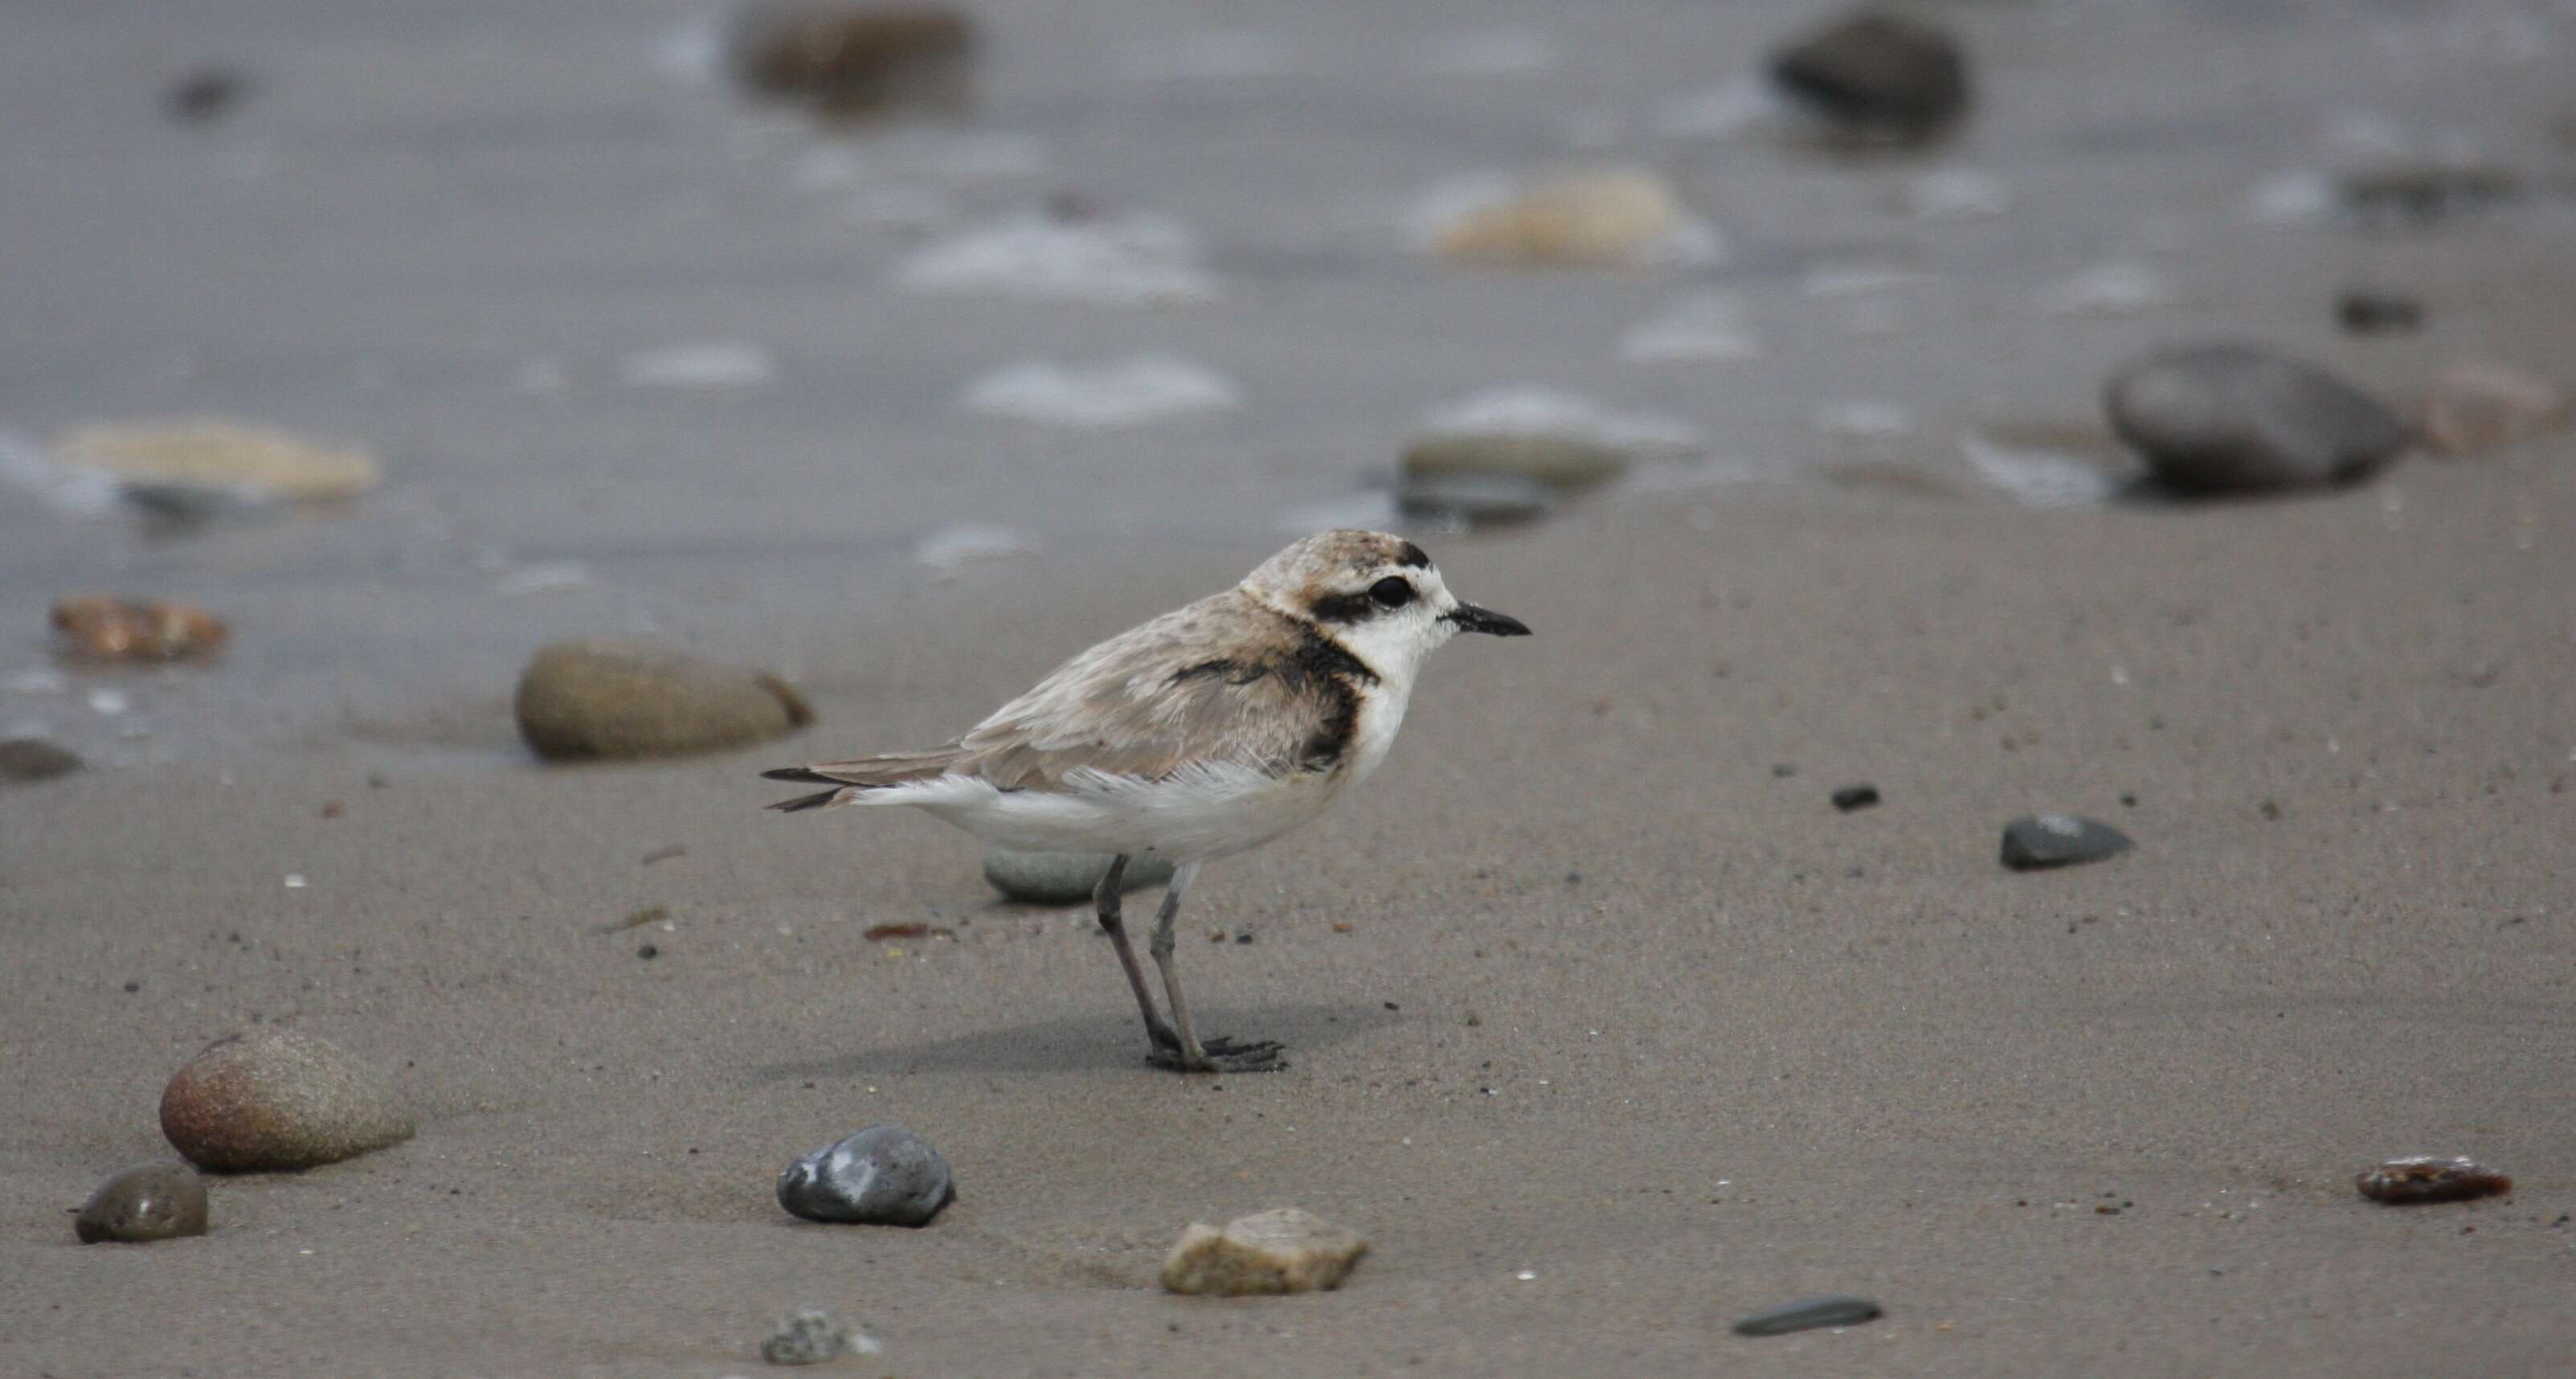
[(1391, 592)]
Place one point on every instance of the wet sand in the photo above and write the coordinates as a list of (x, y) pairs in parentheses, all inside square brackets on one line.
[(1621, 1006), (1757, 1050)]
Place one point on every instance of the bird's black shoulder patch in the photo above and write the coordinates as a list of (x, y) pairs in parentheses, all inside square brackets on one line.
[(1323, 663)]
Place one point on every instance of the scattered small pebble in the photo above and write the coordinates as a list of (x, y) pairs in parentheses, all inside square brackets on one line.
[(160, 1200), (1809, 1314), (648, 952), (1283, 1250), (2059, 840), (2230, 418), (98, 627), (2421, 192), (1852, 797), (2430, 1178), (275, 1100), (2481, 406), (1064, 878), (879, 933), (2370, 311), (28, 759), (637, 919), (884, 1175), (1877, 75), (611, 697), (809, 1336), (202, 95)]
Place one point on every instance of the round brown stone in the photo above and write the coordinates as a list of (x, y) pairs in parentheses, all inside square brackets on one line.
[(277, 1100)]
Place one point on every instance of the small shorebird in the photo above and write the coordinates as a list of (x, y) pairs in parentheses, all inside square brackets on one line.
[(1203, 733)]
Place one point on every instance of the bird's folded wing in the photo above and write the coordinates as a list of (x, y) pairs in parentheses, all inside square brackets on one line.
[(1161, 700)]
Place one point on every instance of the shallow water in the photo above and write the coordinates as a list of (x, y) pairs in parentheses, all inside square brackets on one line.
[(639, 357)]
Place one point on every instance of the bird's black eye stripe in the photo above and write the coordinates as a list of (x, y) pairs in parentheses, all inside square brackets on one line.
[(1394, 591)]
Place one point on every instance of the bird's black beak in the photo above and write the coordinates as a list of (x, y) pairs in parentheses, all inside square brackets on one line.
[(1471, 618)]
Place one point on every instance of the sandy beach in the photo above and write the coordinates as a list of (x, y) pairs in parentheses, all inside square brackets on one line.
[(1619, 1006), (1606, 1027)]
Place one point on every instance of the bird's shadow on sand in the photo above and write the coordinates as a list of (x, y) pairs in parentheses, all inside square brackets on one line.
[(1086, 1043)]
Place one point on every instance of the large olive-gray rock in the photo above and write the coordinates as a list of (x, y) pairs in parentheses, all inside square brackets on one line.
[(1064, 878), (160, 1200), (2230, 418), (277, 1100), (1877, 75), (1557, 461), (884, 1175), (609, 697), (1473, 499)]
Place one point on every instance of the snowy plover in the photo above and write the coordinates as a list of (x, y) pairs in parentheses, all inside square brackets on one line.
[(1203, 733)]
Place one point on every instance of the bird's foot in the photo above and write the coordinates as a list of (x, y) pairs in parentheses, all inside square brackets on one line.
[(1221, 1056)]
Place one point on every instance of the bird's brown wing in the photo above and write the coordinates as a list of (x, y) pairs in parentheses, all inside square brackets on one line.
[(1220, 682), (1223, 681)]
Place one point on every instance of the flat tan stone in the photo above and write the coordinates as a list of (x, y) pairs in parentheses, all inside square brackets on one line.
[(211, 452), (1598, 218), (1283, 1250), (2478, 407)]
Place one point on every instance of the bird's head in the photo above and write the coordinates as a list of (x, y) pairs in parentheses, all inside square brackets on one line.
[(1378, 595)]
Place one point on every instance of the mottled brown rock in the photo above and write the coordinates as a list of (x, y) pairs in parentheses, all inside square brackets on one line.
[(2430, 1178), (277, 1100), (160, 1200), (852, 60), (2478, 407), (604, 697), (1283, 1250), (100, 627)]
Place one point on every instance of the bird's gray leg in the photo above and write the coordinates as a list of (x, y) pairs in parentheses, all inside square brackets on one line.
[(1107, 898), (1189, 1056)]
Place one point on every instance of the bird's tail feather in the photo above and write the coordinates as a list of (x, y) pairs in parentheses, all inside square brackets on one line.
[(850, 779)]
